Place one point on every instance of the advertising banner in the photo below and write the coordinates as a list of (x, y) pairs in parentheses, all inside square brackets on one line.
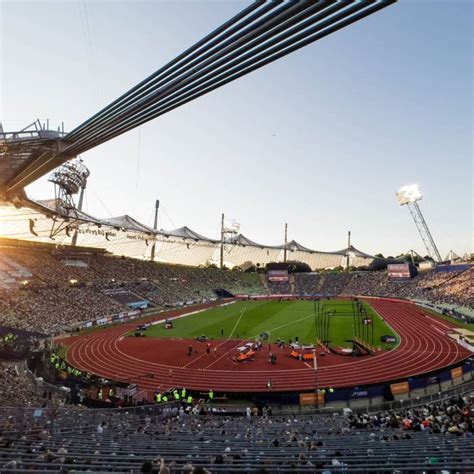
[(357, 393), (398, 271), (310, 398), (456, 372), (278, 275), (399, 388)]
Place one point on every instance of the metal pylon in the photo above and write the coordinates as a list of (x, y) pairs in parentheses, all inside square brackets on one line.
[(424, 231)]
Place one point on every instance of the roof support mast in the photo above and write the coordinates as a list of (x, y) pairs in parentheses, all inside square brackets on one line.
[(286, 242), (348, 249), (79, 207), (222, 242), (155, 227)]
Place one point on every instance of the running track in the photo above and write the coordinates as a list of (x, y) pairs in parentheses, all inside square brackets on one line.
[(424, 347)]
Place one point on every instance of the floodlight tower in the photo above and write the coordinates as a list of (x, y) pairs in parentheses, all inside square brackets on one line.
[(409, 195), (228, 234), (69, 179)]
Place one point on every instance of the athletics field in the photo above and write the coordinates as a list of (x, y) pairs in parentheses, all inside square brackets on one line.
[(283, 320)]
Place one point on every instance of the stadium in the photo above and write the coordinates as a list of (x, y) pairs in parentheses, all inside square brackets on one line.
[(128, 347)]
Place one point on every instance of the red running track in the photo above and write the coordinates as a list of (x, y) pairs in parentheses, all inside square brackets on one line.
[(424, 347)]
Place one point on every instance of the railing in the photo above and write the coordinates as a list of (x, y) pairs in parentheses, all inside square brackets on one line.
[(462, 389), (46, 386), (114, 318), (92, 416), (22, 135)]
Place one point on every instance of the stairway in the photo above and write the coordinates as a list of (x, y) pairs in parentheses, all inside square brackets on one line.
[(11, 273), (291, 279), (264, 282)]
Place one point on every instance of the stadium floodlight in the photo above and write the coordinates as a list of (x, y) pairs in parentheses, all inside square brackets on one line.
[(229, 233), (409, 195), (232, 228), (70, 179)]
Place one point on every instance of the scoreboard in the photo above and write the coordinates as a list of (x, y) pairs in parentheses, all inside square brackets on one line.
[(278, 275), (399, 271)]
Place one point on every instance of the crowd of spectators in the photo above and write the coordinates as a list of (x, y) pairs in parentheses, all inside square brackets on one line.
[(18, 389), (65, 289), (48, 309), (279, 287), (454, 416), (328, 283), (455, 288)]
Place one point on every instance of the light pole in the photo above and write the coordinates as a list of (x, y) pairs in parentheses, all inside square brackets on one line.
[(315, 367), (409, 195)]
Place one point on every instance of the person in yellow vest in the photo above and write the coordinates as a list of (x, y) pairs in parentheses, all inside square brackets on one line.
[(111, 392), (158, 397), (165, 398), (100, 394), (183, 393), (189, 400), (211, 395), (175, 394)]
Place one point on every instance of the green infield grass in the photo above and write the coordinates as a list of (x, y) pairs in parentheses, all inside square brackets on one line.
[(281, 320)]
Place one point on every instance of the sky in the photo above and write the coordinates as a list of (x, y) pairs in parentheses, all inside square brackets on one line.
[(320, 139)]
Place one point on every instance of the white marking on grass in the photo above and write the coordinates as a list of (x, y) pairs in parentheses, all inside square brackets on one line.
[(311, 315), (185, 315), (237, 323), (252, 338)]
